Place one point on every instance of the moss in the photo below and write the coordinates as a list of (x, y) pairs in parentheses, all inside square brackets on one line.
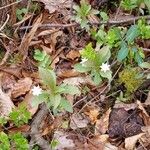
[(131, 79)]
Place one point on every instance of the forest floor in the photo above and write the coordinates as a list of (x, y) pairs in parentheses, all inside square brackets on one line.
[(75, 75)]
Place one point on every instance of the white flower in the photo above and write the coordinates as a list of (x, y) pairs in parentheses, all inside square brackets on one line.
[(105, 67), (36, 90), (83, 61)]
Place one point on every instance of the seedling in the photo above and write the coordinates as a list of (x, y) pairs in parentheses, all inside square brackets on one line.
[(53, 93), (20, 115), (82, 14), (17, 141), (95, 63)]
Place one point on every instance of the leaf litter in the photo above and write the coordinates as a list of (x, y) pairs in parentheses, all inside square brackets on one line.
[(98, 122)]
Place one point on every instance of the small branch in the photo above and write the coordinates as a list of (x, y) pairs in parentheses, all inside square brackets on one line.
[(146, 49), (111, 22), (3, 7), (36, 136), (49, 25), (7, 19)]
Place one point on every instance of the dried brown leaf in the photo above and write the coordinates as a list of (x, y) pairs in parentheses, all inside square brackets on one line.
[(64, 141), (6, 104), (21, 87), (73, 54), (23, 48), (102, 123), (55, 5), (76, 81), (78, 121), (130, 142)]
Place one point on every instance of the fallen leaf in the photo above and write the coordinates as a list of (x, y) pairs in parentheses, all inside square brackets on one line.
[(109, 146), (76, 81), (102, 123), (130, 142), (23, 48), (46, 49), (28, 101), (97, 142), (53, 5), (144, 114), (78, 121), (73, 54), (67, 73), (6, 104), (64, 141), (92, 113), (21, 87)]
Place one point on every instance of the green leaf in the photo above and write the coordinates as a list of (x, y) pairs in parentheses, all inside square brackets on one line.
[(66, 105), (123, 52), (89, 52), (20, 115), (145, 65), (39, 55), (55, 100), (107, 74), (132, 33), (97, 78), (39, 99), (19, 141), (103, 55), (48, 78), (68, 89), (147, 2), (138, 58), (80, 68), (104, 16), (4, 141)]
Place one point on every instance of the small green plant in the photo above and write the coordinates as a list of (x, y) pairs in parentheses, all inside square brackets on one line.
[(95, 63), (131, 78), (16, 141), (121, 98), (20, 13), (53, 95), (4, 141), (42, 57), (82, 13), (144, 29), (132, 4), (20, 115)]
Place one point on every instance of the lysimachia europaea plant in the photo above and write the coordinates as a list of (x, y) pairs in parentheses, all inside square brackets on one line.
[(95, 63), (52, 94)]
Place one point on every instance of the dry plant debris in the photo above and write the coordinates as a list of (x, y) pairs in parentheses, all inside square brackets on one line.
[(74, 74)]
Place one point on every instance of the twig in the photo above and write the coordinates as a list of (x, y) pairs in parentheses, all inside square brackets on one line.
[(146, 49), (7, 54), (2, 27), (49, 25), (111, 22), (3, 7), (35, 134)]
